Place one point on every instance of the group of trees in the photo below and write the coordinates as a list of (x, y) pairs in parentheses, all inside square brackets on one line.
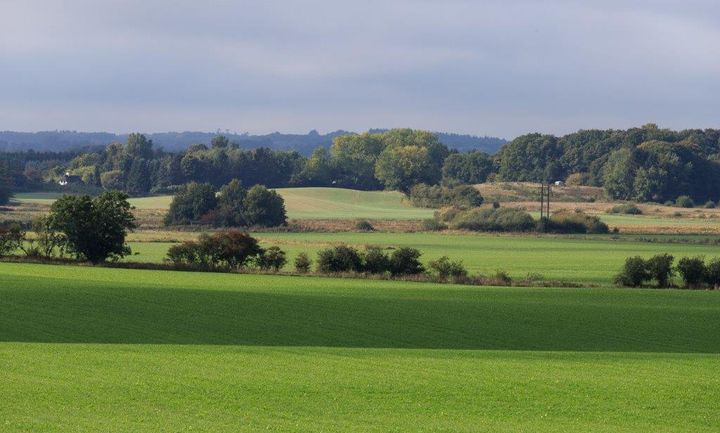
[(644, 164), (231, 206), (694, 271)]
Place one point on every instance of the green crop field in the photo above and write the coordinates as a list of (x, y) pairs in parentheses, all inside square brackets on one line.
[(585, 260), (93, 349)]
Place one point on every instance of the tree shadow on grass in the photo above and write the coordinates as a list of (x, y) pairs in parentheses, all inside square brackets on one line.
[(442, 321)]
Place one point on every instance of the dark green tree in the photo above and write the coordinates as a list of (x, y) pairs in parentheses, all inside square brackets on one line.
[(190, 203), (94, 229), (264, 207)]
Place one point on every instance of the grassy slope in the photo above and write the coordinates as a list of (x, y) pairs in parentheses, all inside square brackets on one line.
[(303, 203), (589, 261), (166, 351)]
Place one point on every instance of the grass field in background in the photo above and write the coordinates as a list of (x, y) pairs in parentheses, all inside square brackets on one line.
[(592, 260), (93, 349), (346, 204)]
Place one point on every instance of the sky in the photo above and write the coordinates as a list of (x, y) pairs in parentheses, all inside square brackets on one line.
[(500, 68)]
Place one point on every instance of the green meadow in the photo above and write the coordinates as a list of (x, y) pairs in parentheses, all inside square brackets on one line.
[(113, 350), (587, 260)]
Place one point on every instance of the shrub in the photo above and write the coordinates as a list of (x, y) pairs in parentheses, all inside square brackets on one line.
[(628, 209), (48, 241), (669, 203), (341, 258), (710, 204), (712, 273), (405, 261), (229, 249), (302, 263), (692, 270), (502, 277), (437, 196), (684, 201), (433, 225), (446, 268), (12, 237), (573, 222), (364, 226), (272, 258), (496, 205), (376, 261), (660, 268), (499, 220), (634, 273)]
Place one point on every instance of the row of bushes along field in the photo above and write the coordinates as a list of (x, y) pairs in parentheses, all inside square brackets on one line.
[(659, 269)]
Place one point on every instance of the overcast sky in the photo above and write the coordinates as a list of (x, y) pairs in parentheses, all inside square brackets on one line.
[(499, 67)]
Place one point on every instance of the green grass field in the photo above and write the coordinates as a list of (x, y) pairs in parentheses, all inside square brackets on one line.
[(593, 260), (302, 203), (93, 349)]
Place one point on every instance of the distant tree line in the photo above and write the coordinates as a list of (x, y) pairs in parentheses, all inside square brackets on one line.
[(643, 164)]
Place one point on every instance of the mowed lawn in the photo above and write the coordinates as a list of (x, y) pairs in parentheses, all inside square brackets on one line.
[(93, 349), (592, 260)]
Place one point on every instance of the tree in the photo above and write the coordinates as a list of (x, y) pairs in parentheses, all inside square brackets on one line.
[(531, 157), (113, 180), (12, 237), (138, 179), (231, 204), (467, 168), (272, 258), (94, 229), (219, 142), (661, 269), (5, 182), (341, 258), (619, 174), (303, 263), (692, 270), (190, 203), (634, 273), (402, 167), (354, 157), (405, 261), (139, 146), (264, 207)]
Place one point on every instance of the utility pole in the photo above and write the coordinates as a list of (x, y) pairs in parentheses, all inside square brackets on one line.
[(544, 202)]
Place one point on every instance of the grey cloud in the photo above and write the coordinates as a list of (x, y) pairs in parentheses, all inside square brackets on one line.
[(486, 67)]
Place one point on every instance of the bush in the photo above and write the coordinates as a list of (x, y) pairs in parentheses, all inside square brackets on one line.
[(712, 273), (684, 201), (433, 225), (573, 222), (634, 273), (231, 249), (660, 268), (446, 268), (422, 195), (376, 261), (692, 270), (364, 226), (341, 258), (498, 220), (710, 204), (502, 277), (405, 261), (48, 241), (496, 205), (12, 237), (272, 258), (628, 209), (303, 263)]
